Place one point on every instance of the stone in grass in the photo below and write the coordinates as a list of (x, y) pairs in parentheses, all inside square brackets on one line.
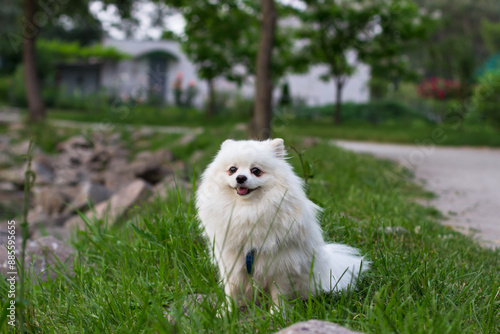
[(316, 327), (396, 230), (88, 192), (21, 149), (189, 303), (152, 166), (117, 206), (171, 183), (186, 139), (7, 186), (43, 255)]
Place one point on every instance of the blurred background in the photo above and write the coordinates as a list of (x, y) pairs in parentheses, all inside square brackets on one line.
[(184, 75), (368, 62)]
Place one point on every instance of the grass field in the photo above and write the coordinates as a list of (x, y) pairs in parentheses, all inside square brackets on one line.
[(424, 279), (407, 132), (410, 132)]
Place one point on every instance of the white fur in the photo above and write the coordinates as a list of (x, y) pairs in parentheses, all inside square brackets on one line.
[(276, 219)]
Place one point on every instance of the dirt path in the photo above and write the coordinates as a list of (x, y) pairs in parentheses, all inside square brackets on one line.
[(466, 180)]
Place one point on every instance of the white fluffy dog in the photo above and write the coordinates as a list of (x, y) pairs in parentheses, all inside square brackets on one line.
[(263, 229)]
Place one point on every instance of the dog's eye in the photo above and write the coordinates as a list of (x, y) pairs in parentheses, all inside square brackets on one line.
[(255, 171), (232, 170)]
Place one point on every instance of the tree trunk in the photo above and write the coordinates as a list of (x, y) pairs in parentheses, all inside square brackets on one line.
[(260, 126), (211, 98), (338, 102), (33, 95)]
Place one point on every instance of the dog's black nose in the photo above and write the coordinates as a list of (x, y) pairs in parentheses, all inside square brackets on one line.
[(241, 179)]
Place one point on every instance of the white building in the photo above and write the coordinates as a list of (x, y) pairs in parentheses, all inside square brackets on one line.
[(154, 65)]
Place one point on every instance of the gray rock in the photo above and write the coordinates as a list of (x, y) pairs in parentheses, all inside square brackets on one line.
[(13, 175), (186, 139), (116, 179), (76, 142), (75, 158), (190, 301), (171, 183), (36, 216), (118, 164), (5, 159), (71, 176), (50, 200), (197, 155), (151, 166), (88, 192), (7, 186), (4, 141), (117, 206), (14, 127), (99, 159), (95, 193), (42, 255), (40, 220), (21, 148), (143, 132), (42, 165), (308, 142), (114, 138), (59, 232), (397, 230), (316, 327)]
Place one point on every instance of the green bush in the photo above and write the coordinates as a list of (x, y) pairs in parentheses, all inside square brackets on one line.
[(373, 112), (18, 97), (13, 91), (5, 83), (487, 97), (379, 88)]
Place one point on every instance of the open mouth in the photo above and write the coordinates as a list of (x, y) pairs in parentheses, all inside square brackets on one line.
[(242, 191)]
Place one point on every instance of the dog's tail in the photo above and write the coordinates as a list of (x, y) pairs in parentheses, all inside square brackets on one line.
[(338, 267)]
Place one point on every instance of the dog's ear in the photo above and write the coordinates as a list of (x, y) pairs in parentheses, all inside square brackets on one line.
[(278, 146), (227, 141)]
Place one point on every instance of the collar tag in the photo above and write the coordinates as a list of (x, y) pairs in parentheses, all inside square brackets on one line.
[(249, 261)]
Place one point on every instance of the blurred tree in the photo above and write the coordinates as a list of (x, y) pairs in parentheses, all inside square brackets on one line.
[(336, 32), (260, 126), (456, 48), (33, 95), (56, 19), (83, 29), (221, 38), (10, 13), (490, 32), (403, 27), (487, 97), (217, 37)]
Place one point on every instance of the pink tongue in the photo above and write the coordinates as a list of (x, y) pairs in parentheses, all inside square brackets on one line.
[(242, 191)]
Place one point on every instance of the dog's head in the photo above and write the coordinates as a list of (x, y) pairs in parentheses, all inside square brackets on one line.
[(248, 168)]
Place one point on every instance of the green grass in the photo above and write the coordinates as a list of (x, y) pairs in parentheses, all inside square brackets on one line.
[(409, 132), (416, 133), (144, 115), (429, 280)]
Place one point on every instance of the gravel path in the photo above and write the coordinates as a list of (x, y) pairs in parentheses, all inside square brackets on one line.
[(466, 180)]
